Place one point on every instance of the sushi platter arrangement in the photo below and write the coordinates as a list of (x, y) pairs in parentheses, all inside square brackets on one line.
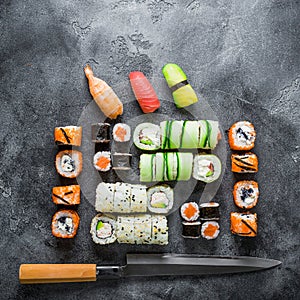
[(136, 213)]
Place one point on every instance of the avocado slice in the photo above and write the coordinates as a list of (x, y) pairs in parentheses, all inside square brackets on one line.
[(184, 96), (99, 225)]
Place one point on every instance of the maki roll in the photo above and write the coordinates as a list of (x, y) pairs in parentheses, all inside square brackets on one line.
[(144, 92), (67, 195), (142, 229), (209, 211), (103, 229), (102, 161), (245, 194), (68, 163), (244, 163), (207, 167), (243, 224), (185, 165), (138, 198), (121, 161), (190, 211), (160, 199), (147, 167), (105, 194), (125, 230), (191, 230), (241, 136), (121, 132), (182, 91), (65, 223), (209, 134), (159, 230), (69, 135), (146, 136), (210, 230), (100, 133), (122, 197)]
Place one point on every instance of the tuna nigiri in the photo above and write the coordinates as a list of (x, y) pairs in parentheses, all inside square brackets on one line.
[(144, 92), (102, 93)]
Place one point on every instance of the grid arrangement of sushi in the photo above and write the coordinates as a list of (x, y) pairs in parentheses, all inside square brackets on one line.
[(179, 166), (241, 138), (200, 220), (68, 164), (203, 134), (130, 229), (122, 197)]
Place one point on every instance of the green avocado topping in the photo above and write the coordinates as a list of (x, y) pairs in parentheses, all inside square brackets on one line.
[(159, 205), (146, 141), (99, 225)]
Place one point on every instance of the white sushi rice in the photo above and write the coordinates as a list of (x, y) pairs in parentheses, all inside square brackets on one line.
[(205, 226), (122, 197), (125, 230), (248, 201), (98, 156), (138, 198), (247, 129), (160, 199), (105, 197), (159, 233), (123, 127)]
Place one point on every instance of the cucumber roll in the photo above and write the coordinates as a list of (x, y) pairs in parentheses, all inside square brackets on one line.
[(146, 136), (209, 134), (190, 135), (170, 166), (147, 170), (185, 165), (171, 132), (160, 199), (103, 229), (182, 91), (207, 168), (159, 166)]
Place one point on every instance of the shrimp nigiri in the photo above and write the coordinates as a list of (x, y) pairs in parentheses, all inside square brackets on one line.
[(144, 92), (102, 93)]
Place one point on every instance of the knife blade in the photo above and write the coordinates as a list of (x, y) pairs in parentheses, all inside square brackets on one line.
[(145, 265)]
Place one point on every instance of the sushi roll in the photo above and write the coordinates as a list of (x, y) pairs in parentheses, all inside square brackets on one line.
[(103, 229), (68, 163), (207, 167), (142, 229), (144, 92), (244, 163), (122, 197), (138, 198), (209, 211), (147, 167), (209, 134), (160, 199), (121, 132), (159, 230), (190, 211), (105, 194), (171, 133), (191, 230), (121, 161), (210, 230), (185, 165), (69, 135), (100, 133), (67, 195), (65, 223), (241, 136), (125, 229), (243, 224), (146, 136), (102, 161), (182, 91), (245, 194)]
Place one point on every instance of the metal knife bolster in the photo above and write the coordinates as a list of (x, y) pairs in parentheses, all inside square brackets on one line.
[(110, 271)]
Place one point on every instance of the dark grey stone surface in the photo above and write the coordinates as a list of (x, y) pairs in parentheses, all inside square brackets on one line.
[(241, 56)]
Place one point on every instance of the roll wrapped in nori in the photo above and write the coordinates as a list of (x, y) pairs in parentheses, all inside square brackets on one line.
[(100, 133), (209, 211), (191, 230), (210, 230), (121, 161)]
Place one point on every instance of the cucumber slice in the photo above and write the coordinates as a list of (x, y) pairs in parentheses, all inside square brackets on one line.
[(185, 165), (172, 165), (213, 139), (203, 134), (207, 167), (146, 136), (175, 134), (190, 133), (164, 128), (146, 168), (159, 166), (166, 165)]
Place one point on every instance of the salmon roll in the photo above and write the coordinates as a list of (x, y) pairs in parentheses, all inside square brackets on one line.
[(243, 224), (191, 230), (241, 136), (102, 161), (69, 135), (210, 230), (68, 163), (65, 223), (209, 211), (245, 194), (100, 133), (244, 163), (67, 195), (190, 211), (121, 132)]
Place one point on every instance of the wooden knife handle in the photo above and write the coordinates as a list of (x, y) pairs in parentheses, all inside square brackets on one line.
[(55, 273)]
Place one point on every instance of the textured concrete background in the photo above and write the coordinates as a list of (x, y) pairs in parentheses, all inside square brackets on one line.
[(241, 56)]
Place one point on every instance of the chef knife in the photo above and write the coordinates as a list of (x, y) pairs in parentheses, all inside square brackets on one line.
[(144, 265)]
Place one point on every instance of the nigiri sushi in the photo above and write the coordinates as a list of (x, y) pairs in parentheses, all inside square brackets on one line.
[(182, 91), (144, 92), (102, 93)]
